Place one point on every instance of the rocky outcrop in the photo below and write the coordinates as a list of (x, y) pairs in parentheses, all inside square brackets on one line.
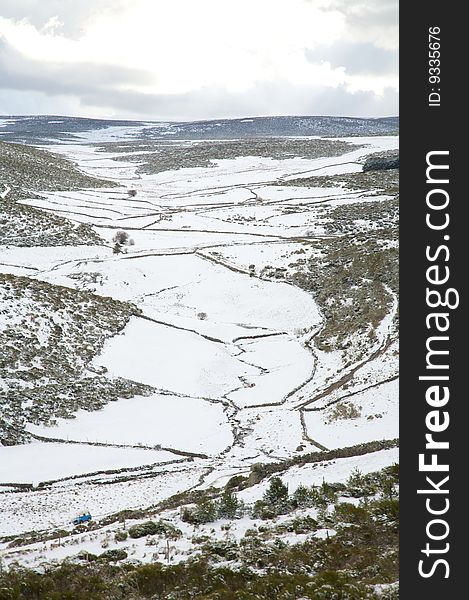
[(381, 163)]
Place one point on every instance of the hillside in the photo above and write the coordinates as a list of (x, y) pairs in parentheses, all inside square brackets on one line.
[(200, 348), (37, 129)]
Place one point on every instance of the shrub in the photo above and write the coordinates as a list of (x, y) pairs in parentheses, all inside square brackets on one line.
[(168, 530), (388, 510), (299, 525), (152, 528), (276, 493), (113, 555), (333, 585), (143, 529), (359, 485), (302, 497), (87, 556), (222, 549), (262, 510), (343, 411), (327, 494), (348, 513), (121, 535), (205, 511), (121, 237), (228, 506)]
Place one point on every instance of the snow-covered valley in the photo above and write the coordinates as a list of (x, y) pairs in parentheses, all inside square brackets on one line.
[(238, 357)]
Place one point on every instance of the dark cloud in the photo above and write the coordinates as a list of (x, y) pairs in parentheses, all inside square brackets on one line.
[(357, 58), (94, 85), (20, 73)]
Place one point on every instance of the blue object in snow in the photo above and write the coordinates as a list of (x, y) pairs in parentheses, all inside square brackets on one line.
[(82, 519)]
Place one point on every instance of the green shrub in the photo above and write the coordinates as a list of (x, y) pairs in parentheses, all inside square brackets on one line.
[(349, 513), (262, 510), (332, 585), (222, 550), (113, 555), (299, 525), (302, 497), (206, 511), (228, 506), (152, 528), (277, 492), (120, 535)]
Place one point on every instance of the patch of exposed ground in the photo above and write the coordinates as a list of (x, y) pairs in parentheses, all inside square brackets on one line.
[(163, 156), (27, 170), (49, 334)]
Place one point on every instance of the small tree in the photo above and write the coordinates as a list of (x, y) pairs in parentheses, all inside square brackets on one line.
[(302, 497), (204, 512), (277, 492), (120, 240), (121, 237), (228, 506), (359, 485), (274, 502)]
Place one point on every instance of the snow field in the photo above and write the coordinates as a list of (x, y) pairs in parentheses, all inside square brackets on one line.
[(38, 462), (182, 423), (205, 290)]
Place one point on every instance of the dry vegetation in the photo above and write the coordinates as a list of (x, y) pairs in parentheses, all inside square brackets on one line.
[(49, 336), (168, 156)]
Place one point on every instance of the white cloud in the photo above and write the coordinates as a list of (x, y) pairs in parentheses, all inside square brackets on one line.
[(186, 46)]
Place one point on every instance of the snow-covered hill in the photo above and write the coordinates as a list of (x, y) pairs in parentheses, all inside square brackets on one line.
[(190, 323)]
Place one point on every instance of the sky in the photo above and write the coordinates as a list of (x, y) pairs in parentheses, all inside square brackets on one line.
[(198, 59)]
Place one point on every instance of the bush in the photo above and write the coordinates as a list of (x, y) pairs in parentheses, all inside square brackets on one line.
[(276, 493), (299, 525), (387, 510), (326, 495), (262, 510), (222, 549), (87, 556), (121, 237), (143, 529), (228, 506), (348, 513), (152, 528), (302, 497), (344, 411), (121, 535), (333, 585), (113, 555), (359, 485), (206, 511)]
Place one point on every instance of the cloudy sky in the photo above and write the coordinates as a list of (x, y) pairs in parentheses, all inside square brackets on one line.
[(197, 59)]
